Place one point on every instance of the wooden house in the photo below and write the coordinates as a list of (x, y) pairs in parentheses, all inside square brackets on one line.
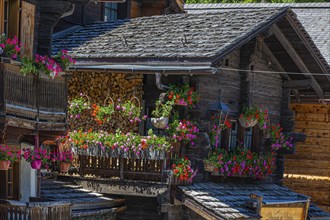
[(302, 173), (232, 57)]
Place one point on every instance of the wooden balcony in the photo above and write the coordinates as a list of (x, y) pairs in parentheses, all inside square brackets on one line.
[(28, 102)]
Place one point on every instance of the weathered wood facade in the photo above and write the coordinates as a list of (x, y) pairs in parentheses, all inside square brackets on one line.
[(308, 171)]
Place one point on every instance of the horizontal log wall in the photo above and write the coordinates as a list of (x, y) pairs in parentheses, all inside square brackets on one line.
[(308, 171), (99, 86)]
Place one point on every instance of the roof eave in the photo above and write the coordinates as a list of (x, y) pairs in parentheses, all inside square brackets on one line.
[(247, 37)]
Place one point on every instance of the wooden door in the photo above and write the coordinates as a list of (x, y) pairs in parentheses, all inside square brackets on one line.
[(13, 19)]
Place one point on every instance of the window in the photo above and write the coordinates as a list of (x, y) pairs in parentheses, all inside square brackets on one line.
[(248, 138), (233, 136), (110, 11)]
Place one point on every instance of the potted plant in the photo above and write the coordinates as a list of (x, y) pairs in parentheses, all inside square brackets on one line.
[(211, 162), (183, 130), (161, 113), (7, 156), (249, 116), (65, 158), (130, 110), (279, 140), (9, 47), (103, 113), (182, 171), (182, 95), (78, 105), (36, 157), (63, 59)]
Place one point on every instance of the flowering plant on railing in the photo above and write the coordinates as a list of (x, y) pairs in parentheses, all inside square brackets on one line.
[(278, 139), (8, 154), (64, 59), (182, 95), (218, 124), (78, 105), (120, 143), (39, 65), (102, 113), (9, 47), (181, 168), (244, 163), (183, 130)]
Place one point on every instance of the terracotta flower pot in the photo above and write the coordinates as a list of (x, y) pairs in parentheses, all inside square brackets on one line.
[(64, 167), (36, 164), (4, 164)]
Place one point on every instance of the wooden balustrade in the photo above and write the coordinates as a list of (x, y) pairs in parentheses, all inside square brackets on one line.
[(30, 97), (10, 210), (126, 168)]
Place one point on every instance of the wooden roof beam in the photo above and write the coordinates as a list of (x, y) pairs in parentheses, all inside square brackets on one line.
[(301, 84), (274, 61), (297, 60)]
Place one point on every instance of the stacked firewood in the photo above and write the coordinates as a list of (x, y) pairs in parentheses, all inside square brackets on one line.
[(99, 88)]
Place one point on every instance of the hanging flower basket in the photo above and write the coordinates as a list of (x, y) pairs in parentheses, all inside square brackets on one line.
[(64, 167), (36, 164), (245, 123), (208, 167), (160, 123), (4, 164)]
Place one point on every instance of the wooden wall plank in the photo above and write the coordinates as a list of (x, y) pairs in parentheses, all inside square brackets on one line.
[(27, 30), (2, 14), (14, 11), (308, 108), (312, 125), (308, 171)]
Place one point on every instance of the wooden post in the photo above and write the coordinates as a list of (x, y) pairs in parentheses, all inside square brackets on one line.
[(121, 168)]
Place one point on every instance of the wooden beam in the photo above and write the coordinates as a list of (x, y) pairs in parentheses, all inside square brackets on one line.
[(274, 61), (297, 60), (298, 84), (310, 46)]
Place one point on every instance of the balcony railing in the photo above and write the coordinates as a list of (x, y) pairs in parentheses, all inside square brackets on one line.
[(32, 98)]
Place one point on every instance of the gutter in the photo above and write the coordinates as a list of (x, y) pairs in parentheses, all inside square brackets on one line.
[(147, 69)]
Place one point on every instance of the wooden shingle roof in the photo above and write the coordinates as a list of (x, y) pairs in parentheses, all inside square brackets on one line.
[(175, 37), (315, 18)]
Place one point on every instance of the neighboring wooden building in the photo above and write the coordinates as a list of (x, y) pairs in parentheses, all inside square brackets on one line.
[(231, 57), (307, 171)]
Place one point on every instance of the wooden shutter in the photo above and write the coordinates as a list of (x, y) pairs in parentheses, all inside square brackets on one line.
[(27, 29), (2, 16), (13, 19)]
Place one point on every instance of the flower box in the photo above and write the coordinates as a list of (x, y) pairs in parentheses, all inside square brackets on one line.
[(4, 164), (177, 182)]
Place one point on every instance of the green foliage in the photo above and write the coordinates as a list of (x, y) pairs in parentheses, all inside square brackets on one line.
[(29, 66), (163, 109)]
